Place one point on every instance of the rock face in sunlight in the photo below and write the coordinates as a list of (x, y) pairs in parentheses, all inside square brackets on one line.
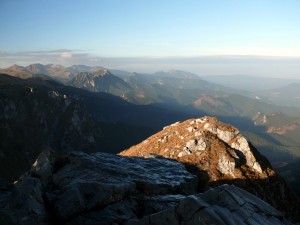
[(99, 81), (219, 148), (207, 144), (100, 188)]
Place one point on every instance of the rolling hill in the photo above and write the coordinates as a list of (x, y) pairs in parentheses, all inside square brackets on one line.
[(288, 95)]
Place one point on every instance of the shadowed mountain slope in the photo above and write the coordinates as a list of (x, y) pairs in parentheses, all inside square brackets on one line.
[(39, 113)]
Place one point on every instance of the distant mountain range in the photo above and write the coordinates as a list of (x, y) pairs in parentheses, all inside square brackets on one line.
[(250, 83), (279, 91), (144, 103), (59, 72), (175, 90)]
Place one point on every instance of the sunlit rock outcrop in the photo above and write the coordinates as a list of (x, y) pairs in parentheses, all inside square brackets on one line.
[(207, 145)]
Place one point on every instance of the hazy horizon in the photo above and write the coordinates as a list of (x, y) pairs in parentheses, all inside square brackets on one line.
[(198, 65), (252, 37)]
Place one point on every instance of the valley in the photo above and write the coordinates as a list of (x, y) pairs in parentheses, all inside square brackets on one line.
[(178, 95), (93, 109)]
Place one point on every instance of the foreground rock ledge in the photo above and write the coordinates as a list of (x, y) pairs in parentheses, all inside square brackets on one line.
[(105, 189)]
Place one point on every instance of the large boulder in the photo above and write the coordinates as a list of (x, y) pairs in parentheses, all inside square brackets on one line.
[(100, 189), (224, 205), (95, 187)]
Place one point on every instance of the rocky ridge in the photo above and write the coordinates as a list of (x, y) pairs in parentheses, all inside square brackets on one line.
[(32, 69), (53, 70), (99, 81), (207, 144), (100, 188)]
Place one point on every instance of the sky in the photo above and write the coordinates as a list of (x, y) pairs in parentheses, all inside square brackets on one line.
[(207, 37)]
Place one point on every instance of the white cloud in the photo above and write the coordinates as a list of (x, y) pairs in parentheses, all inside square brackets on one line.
[(60, 56), (94, 60), (66, 55)]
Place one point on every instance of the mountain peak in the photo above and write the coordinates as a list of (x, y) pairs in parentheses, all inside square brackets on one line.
[(18, 71), (101, 73), (98, 81), (37, 68), (202, 140), (15, 66), (220, 150), (56, 66)]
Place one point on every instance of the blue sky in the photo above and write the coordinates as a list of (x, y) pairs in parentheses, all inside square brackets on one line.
[(142, 33)]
